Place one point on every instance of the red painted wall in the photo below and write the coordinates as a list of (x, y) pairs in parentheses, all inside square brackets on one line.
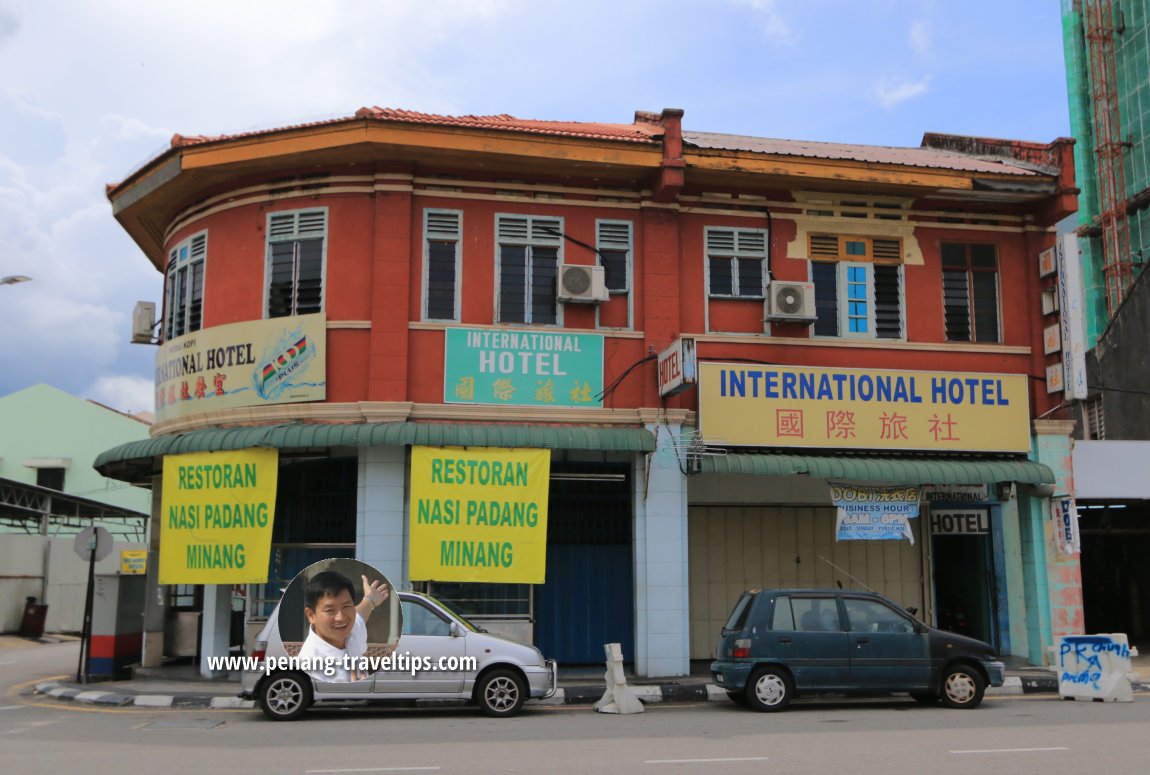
[(374, 276)]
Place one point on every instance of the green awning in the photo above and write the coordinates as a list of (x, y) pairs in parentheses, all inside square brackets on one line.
[(923, 469), (396, 434)]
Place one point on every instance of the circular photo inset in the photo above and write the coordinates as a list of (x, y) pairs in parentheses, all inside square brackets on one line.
[(339, 618)]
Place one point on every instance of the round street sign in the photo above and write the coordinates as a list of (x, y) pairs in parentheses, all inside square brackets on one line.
[(96, 537)]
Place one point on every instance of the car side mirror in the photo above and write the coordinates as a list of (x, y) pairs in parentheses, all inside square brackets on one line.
[(456, 630)]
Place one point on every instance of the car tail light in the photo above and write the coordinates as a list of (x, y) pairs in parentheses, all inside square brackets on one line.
[(742, 648), (260, 649)]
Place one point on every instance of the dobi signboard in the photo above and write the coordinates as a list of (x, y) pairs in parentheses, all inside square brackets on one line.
[(216, 517), (479, 514), (792, 406)]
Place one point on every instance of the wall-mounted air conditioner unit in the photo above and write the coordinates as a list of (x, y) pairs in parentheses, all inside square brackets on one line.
[(143, 322), (579, 283), (791, 302)]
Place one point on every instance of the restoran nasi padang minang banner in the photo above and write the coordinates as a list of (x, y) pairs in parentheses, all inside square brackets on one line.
[(479, 514), (756, 405)]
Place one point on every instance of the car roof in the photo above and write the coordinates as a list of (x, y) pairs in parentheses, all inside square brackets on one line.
[(812, 591)]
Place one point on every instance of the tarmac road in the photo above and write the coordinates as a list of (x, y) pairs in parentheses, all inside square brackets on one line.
[(1032, 733)]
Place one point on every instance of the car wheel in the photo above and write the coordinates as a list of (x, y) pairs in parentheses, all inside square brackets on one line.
[(962, 687), (739, 698), (924, 698), (770, 689), (500, 693), (285, 696)]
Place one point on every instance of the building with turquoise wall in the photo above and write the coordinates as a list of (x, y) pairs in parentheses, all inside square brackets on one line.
[(44, 430)]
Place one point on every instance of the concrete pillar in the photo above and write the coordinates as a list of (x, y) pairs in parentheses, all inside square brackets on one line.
[(1064, 571), (381, 521), (215, 626), (1015, 581), (155, 594), (662, 616)]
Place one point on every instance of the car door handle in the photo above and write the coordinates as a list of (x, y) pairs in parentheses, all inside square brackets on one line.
[(861, 641), (784, 639)]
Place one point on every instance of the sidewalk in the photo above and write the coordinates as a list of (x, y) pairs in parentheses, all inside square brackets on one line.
[(180, 686)]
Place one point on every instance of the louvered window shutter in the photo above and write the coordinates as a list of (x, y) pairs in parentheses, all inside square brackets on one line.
[(614, 241), (443, 234)]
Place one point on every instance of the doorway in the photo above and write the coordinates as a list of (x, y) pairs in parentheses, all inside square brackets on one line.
[(588, 598), (964, 580)]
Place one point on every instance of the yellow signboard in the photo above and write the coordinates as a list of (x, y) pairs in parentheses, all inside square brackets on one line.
[(793, 406), (133, 562), (216, 517), (256, 363), (479, 514)]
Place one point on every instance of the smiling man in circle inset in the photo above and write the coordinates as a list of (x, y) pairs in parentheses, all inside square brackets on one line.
[(337, 626)]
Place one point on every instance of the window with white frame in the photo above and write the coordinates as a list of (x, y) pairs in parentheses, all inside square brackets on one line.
[(859, 293), (613, 240), (970, 292), (295, 268), (184, 298), (529, 253), (442, 231), (735, 262)]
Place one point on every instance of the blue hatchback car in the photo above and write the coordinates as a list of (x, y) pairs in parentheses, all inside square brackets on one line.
[(780, 643)]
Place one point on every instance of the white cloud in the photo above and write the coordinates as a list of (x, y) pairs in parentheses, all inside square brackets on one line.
[(11, 17), (131, 394), (920, 40), (890, 92), (772, 21)]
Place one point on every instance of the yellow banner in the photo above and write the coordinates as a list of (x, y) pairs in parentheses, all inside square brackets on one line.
[(216, 517), (791, 406), (255, 363), (479, 514), (133, 562)]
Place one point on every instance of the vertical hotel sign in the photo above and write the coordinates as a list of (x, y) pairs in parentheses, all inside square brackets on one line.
[(277, 361), (479, 514), (216, 517), (522, 368), (1073, 318), (790, 406)]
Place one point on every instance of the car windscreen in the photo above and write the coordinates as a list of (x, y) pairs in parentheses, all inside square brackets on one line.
[(453, 613), (739, 615)]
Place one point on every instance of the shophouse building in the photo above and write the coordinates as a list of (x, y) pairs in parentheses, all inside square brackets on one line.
[(827, 314)]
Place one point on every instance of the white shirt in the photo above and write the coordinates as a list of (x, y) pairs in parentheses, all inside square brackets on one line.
[(316, 648)]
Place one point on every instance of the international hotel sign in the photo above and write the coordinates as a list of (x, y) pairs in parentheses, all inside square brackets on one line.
[(277, 361), (522, 368), (791, 406)]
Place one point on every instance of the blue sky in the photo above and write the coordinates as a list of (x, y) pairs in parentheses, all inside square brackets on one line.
[(92, 89)]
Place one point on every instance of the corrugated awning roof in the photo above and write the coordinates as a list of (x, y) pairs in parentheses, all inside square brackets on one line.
[(875, 154), (880, 468), (296, 436)]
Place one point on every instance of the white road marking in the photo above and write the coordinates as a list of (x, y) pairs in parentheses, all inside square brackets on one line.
[(706, 761), (373, 769), (10, 707), (1011, 750)]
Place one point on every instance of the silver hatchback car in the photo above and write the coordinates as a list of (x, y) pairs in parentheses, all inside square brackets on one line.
[(502, 675)]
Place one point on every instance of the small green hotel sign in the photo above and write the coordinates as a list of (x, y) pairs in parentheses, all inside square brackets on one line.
[(522, 368)]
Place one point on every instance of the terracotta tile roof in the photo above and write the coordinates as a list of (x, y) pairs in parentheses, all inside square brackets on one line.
[(877, 154), (639, 133), (636, 133)]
